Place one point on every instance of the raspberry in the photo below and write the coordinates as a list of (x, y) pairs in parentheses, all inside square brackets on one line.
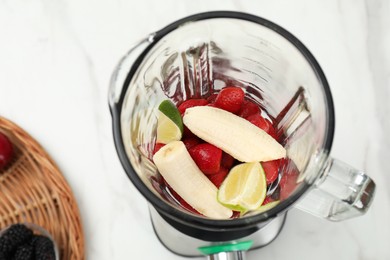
[(24, 252), (13, 237), (230, 99), (207, 157), (43, 248), (191, 103)]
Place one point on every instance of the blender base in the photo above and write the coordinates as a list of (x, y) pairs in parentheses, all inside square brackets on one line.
[(187, 246)]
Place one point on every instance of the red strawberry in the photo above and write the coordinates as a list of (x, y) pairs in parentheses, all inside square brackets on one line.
[(248, 108), (271, 169), (212, 105), (262, 123), (230, 99), (267, 200), (227, 160), (207, 157), (187, 133), (219, 177), (157, 147), (212, 98), (187, 206), (6, 151), (288, 182), (236, 214), (191, 142), (191, 103), (182, 202)]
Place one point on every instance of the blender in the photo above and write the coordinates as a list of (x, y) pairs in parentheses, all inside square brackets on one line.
[(199, 55)]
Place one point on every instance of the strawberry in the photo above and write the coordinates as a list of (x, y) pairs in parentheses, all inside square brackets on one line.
[(227, 160), (271, 169), (267, 200), (230, 99), (157, 147), (211, 99), (191, 142), (248, 108), (187, 206), (219, 177), (191, 103), (177, 197), (207, 157), (288, 182), (236, 214), (187, 133), (6, 151), (262, 123)]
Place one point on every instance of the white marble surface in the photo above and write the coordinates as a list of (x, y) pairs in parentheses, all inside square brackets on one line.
[(56, 58)]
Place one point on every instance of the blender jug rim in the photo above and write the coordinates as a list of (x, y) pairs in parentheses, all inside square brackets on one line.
[(179, 215)]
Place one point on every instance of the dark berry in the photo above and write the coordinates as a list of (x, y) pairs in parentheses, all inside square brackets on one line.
[(24, 252), (43, 248), (13, 237)]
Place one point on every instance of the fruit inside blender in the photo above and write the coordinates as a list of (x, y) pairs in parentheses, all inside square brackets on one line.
[(223, 155)]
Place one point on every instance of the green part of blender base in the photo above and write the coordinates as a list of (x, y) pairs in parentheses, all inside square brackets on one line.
[(215, 249)]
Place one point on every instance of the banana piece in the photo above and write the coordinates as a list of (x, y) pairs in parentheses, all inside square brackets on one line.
[(177, 167), (233, 134)]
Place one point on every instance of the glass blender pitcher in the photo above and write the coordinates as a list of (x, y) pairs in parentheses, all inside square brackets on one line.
[(199, 55)]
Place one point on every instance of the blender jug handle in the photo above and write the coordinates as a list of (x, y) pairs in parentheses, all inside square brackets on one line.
[(341, 192), (123, 68)]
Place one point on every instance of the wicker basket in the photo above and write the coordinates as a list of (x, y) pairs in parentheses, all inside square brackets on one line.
[(33, 190)]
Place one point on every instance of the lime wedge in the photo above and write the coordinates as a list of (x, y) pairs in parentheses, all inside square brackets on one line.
[(169, 124), (244, 188), (170, 110), (267, 206)]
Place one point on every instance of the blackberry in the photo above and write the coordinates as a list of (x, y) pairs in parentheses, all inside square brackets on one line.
[(24, 252), (13, 237), (43, 248)]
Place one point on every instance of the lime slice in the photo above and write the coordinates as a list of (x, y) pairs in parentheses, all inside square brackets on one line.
[(267, 206), (170, 110), (244, 188), (169, 124)]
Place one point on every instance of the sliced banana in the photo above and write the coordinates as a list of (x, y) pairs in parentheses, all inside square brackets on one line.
[(233, 134), (177, 167)]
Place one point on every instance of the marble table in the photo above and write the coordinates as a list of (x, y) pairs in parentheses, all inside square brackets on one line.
[(56, 58)]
